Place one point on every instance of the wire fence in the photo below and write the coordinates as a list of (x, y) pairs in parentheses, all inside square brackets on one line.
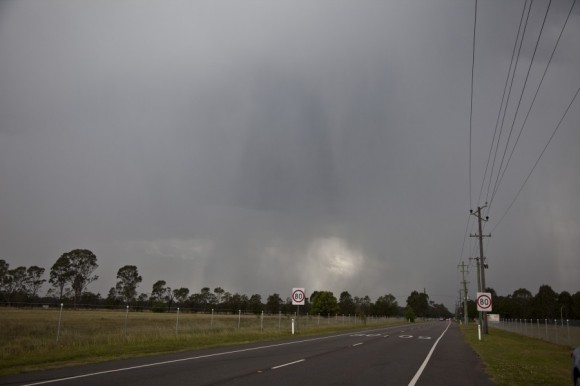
[(67, 325), (559, 331)]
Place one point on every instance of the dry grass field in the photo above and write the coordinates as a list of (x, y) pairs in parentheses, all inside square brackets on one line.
[(32, 339)]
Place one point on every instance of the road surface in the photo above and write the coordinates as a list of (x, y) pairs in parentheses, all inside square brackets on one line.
[(419, 354)]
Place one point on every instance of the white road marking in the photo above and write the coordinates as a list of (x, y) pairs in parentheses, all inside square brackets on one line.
[(288, 364), (356, 344), (186, 359), (420, 371)]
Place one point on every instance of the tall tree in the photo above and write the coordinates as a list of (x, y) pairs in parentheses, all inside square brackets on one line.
[(323, 302), (129, 279), (75, 268), (546, 302), (4, 266), (239, 302), (346, 303), (60, 275), (419, 302), (522, 303), (82, 265), (13, 284), (362, 304), (575, 312), (387, 305), (219, 292), (158, 290), (255, 303), (34, 280), (274, 303), (565, 304), (180, 295)]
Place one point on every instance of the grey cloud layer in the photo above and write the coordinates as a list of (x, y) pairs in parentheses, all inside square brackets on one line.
[(263, 146)]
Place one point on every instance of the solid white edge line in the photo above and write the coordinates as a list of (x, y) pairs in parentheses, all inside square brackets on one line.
[(424, 364), (288, 364), (191, 358)]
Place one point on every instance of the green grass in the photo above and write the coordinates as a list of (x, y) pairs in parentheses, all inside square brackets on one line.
[(512, 359), (28, 337)]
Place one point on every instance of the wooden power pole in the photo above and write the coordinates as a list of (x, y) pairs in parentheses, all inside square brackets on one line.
[(481, 263)]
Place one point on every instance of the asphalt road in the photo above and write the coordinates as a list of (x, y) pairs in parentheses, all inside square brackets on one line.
[(422, 354)]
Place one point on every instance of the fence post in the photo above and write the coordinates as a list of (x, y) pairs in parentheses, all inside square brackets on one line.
[(177, 322), (568, 328), (126, 317), (59, 320)]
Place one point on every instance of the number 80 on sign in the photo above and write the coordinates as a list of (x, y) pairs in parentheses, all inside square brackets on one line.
[(484, 302), (298, 296)]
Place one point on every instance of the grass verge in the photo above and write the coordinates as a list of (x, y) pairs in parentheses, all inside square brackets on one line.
[(512, 359), (28, 337)]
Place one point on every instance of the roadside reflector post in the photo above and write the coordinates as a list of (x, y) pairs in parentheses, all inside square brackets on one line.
[(292, 326), (479, 331)]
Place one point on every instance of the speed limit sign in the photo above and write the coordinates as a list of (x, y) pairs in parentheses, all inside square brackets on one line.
[(298, 296), (484, 301)]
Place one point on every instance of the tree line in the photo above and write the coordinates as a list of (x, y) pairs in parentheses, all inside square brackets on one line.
[(521, 304), (72, 273)]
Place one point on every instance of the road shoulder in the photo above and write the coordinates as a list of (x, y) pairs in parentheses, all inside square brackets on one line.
[(455, 363)]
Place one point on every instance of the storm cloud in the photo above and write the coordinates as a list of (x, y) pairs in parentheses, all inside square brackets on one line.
[(260, 146)]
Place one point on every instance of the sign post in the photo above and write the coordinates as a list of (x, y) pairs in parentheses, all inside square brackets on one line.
[(484, 304), (298, 298)]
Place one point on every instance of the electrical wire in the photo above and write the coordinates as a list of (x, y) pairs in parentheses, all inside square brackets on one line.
[(537, 91), (538, 160), (507, 102), (496, 185), (502, 101), (471, 104)]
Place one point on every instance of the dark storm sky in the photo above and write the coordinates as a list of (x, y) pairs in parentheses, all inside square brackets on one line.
[(265, 145)]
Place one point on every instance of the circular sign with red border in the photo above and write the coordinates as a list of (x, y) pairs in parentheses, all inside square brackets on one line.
[(298, 296), (484, 301)]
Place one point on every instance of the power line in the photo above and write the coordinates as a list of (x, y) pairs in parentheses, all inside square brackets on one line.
[(538, 160), (496, 185), (537, 90), (502, 101), (471, 104), (507, 101)]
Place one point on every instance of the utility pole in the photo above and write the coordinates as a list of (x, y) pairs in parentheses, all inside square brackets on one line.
[(481, 263), (479, 318), (463, 272)]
